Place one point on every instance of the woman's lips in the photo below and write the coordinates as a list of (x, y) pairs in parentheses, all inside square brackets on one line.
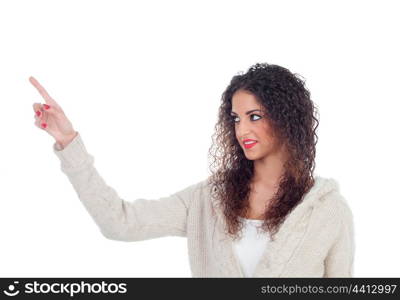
[(248, 146)]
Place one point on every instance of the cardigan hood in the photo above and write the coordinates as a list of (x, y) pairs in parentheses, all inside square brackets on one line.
[(313, 197)]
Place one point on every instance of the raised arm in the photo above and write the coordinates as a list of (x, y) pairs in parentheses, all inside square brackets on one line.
[(119, 219)]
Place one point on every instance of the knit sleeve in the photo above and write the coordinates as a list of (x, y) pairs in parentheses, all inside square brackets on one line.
[(340, 258), (119, 219)]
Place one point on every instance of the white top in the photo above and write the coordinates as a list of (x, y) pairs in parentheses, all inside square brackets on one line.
[(251, 246)]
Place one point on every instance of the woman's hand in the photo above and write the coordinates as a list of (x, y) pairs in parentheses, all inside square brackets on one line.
[(51, 118)]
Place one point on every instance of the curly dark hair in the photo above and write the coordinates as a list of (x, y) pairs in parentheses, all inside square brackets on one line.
[(291, 114)]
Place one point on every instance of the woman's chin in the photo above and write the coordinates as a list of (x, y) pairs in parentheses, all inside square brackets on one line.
[(252, 156)]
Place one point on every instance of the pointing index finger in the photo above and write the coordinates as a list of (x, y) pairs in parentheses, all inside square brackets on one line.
[(41, 90)]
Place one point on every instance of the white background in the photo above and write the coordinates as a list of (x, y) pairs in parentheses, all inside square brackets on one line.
[(142, 81)]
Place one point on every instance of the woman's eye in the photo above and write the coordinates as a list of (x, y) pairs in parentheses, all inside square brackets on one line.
[(235, 117)]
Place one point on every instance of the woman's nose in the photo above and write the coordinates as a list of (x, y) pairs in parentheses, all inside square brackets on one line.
[(243, 129)]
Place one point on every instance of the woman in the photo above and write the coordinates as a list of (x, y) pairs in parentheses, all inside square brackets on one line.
[(260, 214)]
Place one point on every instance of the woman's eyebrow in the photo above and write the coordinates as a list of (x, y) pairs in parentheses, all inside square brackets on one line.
[(250, 111)]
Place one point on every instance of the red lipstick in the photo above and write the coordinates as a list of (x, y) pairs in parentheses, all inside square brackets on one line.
[(249, 145)]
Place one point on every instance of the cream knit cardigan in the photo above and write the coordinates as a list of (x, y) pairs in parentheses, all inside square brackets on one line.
[(315, 240)]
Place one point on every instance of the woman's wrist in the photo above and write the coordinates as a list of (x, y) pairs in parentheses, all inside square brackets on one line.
[(67, 139)]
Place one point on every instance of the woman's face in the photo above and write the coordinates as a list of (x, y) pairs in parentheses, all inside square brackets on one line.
[(252, 123)]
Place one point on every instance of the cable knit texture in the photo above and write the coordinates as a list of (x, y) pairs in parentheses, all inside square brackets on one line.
[(315, 240)]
